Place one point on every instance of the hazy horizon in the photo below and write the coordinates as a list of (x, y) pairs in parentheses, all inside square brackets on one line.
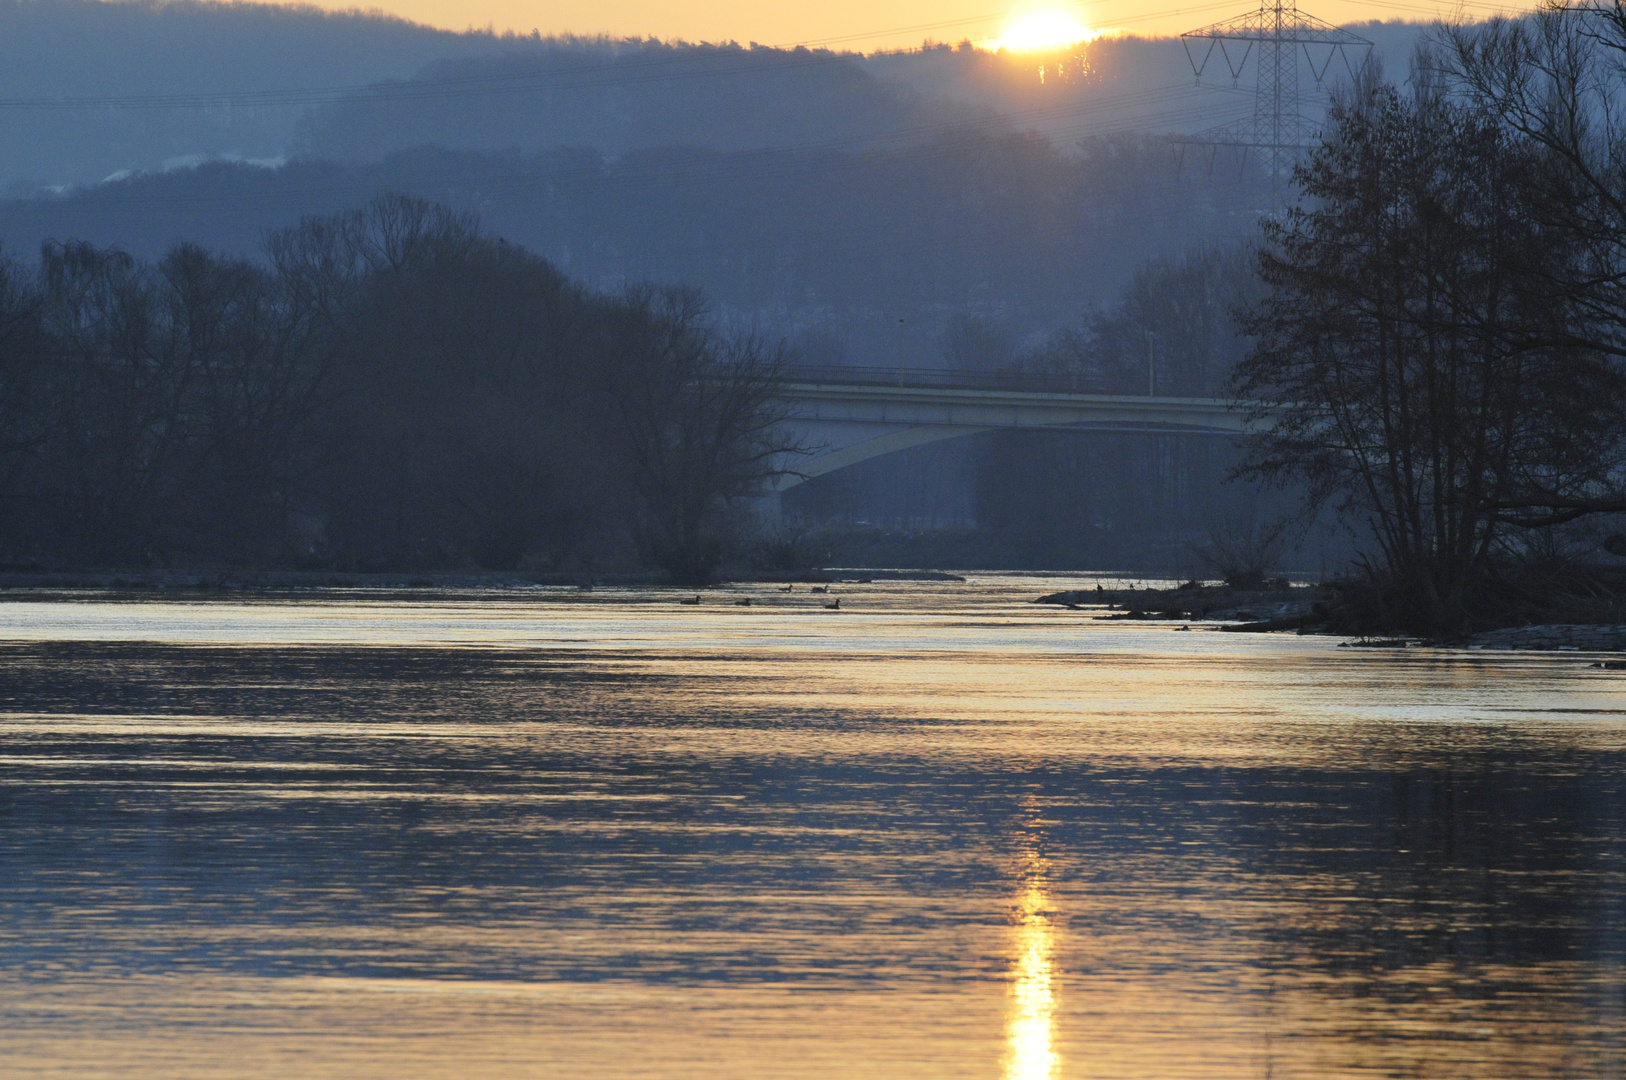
[(864, 27)]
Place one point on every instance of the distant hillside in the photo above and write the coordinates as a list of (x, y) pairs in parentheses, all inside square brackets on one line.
[(90, 89), (615, 96), (824, 194), (113, 53), (620, 96), (941, 206), (831, 243)]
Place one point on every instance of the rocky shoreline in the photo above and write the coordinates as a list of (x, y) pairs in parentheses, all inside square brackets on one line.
[(1564, 636), (1282, 605), (1304, 609)]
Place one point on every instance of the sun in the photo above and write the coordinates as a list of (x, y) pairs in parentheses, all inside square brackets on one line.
[(1043, 31)]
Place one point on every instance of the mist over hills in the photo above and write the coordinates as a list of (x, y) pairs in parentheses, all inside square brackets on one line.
[(801, 188), (621, 95), (92, 62), (92, 89), (830, 245), (616, 97), (944, 206)]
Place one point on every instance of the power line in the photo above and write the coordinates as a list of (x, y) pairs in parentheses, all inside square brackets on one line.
[(641, 69), (1272, 35), (623, 71)]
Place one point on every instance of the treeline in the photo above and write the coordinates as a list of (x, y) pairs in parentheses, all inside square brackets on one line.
[(388, 389), (830, 246), (1172, 331), (1058, 499), (1130, 499), (270, 55), (620, 95), (266, 81)]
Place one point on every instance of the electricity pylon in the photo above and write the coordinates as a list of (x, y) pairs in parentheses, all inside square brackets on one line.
[(1276, 32)]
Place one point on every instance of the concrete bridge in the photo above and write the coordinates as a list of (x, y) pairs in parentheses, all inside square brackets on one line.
[(848, 415)]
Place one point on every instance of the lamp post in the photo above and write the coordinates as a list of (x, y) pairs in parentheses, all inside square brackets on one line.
[(900, 350)]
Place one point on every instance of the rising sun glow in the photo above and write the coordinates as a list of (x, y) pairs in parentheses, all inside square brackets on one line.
[(1043, 31)]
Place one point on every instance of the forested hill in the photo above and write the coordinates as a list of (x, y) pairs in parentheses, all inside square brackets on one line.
[(823, 195), (620, 95), (92, 89), (803, 242), (99, 60)]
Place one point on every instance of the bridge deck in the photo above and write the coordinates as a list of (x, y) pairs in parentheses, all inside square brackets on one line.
[(985, 407), (848, 415), (944, 379)]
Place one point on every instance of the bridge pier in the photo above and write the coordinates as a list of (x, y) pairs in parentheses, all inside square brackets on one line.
[(768, 508)]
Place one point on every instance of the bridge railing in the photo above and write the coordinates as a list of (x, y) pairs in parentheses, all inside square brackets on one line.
[(944, 379)]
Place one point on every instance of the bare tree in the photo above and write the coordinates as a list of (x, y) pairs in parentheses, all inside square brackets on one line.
[(1243, 551), (452, 430), (700, 426), (1416, 358), (1556, 81), (25, 414), (120, 396), (251, 397), (433, 397)]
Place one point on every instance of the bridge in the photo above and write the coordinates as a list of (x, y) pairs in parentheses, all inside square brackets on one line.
[(847, 415)]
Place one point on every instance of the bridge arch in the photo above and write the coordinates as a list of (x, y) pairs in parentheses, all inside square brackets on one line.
[(848, 415)]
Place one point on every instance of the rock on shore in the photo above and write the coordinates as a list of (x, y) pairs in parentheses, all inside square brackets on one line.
[(1280, 607), (1553, 636)]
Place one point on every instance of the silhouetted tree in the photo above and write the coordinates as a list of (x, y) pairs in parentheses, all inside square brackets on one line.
[(394, 389), (24, 412), (252, 390), (1555, 81), (699, 428), (456, 365), (1415, 357), (119, 394)]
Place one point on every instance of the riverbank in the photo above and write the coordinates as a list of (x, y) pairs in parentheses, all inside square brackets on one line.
[(1281, 605), (1313, 609), (295, 580)]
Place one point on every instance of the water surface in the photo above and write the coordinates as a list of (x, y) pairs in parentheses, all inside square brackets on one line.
[(940, 832)]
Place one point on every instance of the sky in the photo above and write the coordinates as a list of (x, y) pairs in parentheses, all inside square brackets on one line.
[(867, 25)]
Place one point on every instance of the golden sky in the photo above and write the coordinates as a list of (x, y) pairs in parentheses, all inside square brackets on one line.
[(865, 24)]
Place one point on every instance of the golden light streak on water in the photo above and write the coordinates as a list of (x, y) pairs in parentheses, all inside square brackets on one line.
[(1031, 1051), (941, 834)]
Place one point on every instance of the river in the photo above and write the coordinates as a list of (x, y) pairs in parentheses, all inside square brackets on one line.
[(937, 832)]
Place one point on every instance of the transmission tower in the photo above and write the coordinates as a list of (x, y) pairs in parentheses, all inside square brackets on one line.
[(1272, 36)]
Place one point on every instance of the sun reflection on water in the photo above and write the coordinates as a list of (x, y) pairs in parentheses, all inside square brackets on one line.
[(1029, 1053), (603, 835)]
